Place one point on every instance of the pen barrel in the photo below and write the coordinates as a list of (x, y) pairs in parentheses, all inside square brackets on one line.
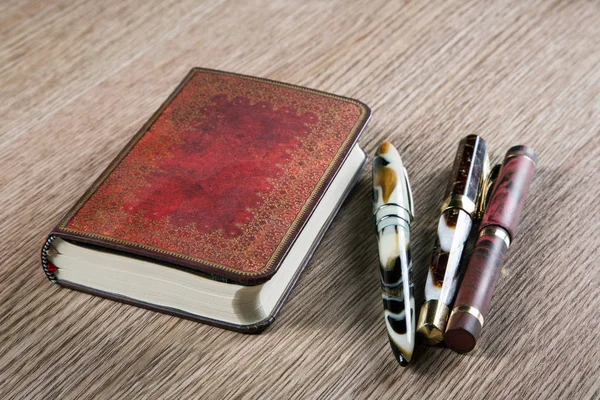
[(459, 208), (498, 227), (510, 189), (474, 296)]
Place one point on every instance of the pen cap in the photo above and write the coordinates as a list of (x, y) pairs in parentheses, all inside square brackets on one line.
[(510, 189), (470, 167), (392, 197)]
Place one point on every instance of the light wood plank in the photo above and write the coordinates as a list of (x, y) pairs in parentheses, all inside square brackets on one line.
[(78, 79)]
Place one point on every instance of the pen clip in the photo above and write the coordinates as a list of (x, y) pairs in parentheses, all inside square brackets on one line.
[(410, 196), (487, 185)]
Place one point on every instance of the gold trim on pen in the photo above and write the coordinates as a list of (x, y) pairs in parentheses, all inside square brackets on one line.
[(519, 153), (496, 231), (470, 310), (432, 321), (485, 191), (459, 201)]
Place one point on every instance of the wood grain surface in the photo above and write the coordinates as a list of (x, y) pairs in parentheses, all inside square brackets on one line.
[(77, 79)]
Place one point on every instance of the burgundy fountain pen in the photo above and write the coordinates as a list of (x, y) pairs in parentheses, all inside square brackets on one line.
[(497, 229)]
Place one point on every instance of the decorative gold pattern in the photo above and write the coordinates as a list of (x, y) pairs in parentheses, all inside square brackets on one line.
[(327, 122)]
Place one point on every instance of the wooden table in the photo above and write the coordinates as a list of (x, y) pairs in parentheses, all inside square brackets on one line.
[(77, 79)]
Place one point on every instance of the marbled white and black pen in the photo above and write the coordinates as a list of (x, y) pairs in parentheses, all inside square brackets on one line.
[(393, 211), (464, 192)]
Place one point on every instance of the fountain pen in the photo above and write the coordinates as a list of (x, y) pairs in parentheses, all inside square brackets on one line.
[(393, 212), (458, 215), (496, 233)]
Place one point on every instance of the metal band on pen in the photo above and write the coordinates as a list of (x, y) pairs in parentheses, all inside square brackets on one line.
[(496, 231), (469, 310), (459, 201), (393, 209), (519, 153), (391, 214)]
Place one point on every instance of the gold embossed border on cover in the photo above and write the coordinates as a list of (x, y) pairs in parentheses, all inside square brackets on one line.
[(223, 176)]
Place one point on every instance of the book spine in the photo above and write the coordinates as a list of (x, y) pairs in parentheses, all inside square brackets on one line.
[(48, 267)]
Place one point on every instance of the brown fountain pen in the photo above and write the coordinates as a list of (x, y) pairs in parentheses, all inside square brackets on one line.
[(498, 227)]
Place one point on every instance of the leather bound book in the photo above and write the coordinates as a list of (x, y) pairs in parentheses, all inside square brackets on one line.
[(215, 206)]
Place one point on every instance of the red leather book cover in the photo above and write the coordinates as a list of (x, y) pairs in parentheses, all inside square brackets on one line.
[(222, 178)]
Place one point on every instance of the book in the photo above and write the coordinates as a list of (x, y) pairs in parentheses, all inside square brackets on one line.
[(215, 206)]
